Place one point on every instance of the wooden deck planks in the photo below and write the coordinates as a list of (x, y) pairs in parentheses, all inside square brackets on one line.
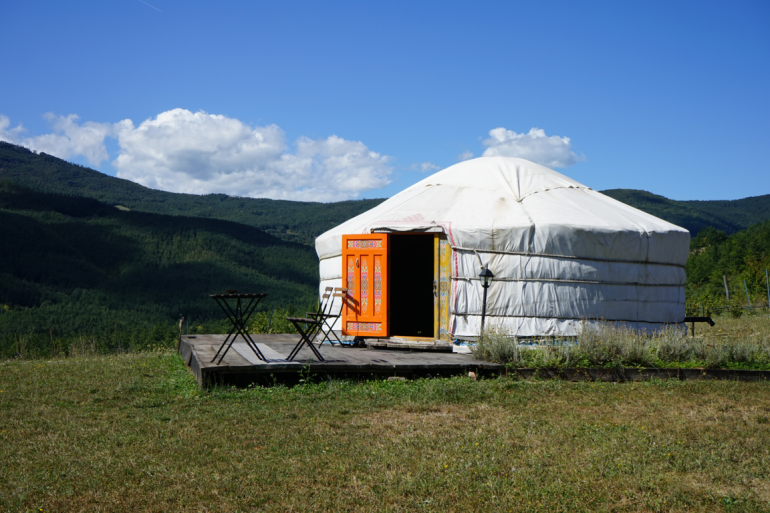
[(199, 350)]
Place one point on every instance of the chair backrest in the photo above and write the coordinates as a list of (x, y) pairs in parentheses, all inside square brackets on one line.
[(340, 292), (324, 304), (325, 299)]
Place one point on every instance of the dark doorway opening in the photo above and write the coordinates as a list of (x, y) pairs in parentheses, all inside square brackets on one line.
[(411, 285)]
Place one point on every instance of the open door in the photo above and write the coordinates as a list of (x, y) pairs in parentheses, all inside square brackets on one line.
[(365, 274), (412, 285)]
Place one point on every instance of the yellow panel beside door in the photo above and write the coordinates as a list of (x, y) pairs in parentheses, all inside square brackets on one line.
[(436, 277), (442, 272), (444, 286)]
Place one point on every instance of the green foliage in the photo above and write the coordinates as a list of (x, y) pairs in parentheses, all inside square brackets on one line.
[(741, 257), (73, 267), (274, 322), (708, 236)]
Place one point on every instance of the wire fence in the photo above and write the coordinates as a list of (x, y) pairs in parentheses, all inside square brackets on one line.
[(763, 308)]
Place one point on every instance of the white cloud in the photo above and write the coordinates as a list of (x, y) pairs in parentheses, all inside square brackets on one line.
[(466, 155), (553, 151), (199, 153), (67, 140), (202, 153), (11, 135), (424, 167)]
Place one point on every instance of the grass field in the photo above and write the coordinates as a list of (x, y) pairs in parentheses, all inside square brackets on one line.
[(134, 433)]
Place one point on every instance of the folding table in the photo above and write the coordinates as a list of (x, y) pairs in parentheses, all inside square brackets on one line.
[(239, 317)]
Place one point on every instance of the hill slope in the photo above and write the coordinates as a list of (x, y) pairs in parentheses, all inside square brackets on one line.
[(78, 265), (729, 216), (289, 220)]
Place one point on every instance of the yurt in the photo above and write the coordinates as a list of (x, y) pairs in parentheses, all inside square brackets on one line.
[(562, 255)]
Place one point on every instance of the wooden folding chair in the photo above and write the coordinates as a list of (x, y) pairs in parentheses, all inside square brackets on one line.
[(308, 327), (322, 305), (328, 317), (307, 335)]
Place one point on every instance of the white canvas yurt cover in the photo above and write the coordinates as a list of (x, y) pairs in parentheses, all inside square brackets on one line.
[(560, 252)]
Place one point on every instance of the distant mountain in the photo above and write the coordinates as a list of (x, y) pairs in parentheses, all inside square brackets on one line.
[(289, 220), (728, 216), (303, 221)]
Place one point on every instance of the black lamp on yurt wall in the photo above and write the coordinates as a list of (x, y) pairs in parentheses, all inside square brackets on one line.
[(486, 279)]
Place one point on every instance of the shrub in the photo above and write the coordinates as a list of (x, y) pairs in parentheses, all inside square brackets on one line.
[(260, 322), (607, 345), (495, 345)]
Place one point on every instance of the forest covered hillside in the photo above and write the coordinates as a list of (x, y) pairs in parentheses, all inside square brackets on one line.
[(76, 266), (741, 259), (728, 216)]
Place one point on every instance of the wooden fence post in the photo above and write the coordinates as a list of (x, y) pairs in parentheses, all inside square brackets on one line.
[(179, 343), (727, 292)]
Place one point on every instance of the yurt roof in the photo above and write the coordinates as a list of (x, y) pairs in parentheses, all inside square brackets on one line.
[(513, 205)]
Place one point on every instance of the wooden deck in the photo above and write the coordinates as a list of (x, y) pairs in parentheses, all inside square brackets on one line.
[(241, 367)]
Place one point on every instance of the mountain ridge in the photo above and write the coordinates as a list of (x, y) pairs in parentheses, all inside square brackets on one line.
[(729, 216), (303, 221), (289, 220)]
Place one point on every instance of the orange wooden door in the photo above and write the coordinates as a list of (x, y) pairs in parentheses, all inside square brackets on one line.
[(365, 274)]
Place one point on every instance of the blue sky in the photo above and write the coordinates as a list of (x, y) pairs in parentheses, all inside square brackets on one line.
[(331, 100)]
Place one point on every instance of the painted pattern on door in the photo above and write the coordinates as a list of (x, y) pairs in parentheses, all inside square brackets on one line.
[(364, 259)]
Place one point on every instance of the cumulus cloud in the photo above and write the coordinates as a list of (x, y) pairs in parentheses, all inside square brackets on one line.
[(67, 140), (199, 153), (424, 167), (11, 135), (553, 151), (466, 155)]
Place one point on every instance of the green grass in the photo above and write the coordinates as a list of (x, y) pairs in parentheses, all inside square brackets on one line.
[(135, 433)]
